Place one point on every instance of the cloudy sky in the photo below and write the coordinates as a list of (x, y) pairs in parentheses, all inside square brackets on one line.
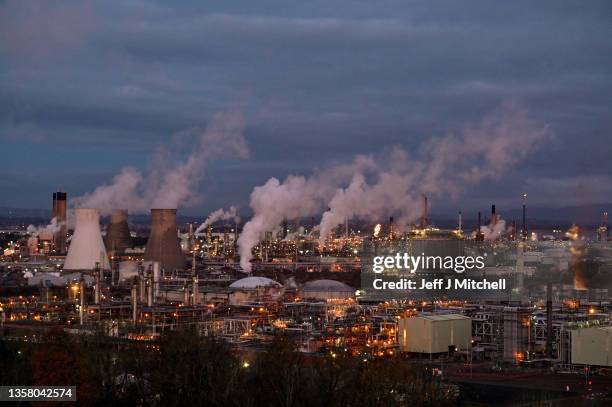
[(87, 88)]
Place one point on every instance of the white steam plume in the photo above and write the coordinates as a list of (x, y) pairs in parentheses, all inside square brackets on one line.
[(495, 230), (220, 214), (50, 229), (171, 186), (442, 167), (295, 197), (372, 189)]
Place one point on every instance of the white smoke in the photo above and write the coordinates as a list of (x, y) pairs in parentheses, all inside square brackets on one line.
[(295, 197), (495, 230), (442, 167), (220, 214), (50, 229), (369, 188), (171, 186)]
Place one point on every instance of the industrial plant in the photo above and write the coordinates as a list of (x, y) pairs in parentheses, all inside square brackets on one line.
[(96, 275)]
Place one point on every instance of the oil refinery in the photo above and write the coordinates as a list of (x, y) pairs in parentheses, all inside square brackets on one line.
[(134, 286)]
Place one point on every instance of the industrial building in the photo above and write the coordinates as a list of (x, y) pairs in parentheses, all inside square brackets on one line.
[(591, 345), (432, 334)]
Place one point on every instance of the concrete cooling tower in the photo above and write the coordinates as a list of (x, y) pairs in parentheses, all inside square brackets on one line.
[(86, 248), (118, 236), (163, 245)]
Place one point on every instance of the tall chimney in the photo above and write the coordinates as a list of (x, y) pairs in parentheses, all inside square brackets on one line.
[(479, 235), (118, 236), (86, 248), (81, 301), (524, 231), (196, 290), (59, 213), (493, 216), (97, 288), (134, 299), (549, 321), (460, 221), (163, 244)]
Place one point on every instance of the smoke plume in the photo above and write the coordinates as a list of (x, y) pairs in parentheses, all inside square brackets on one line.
[(442, 167), (371, 188), (220, 214), (50, 229), (494, 230), (168, 186), (295, 197)]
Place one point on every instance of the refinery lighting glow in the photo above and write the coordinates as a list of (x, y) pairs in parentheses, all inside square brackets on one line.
[(302, 204)]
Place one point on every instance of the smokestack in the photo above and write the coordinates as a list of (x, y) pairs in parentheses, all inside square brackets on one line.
[(163, 244), (479, 235), (59, 213), (118, 236), (391, 228), (134, 298), (149, 289), (156, 278), (549, 322), (424, 220), (81, 300), (460, 221), (97, 288), (524, 231), (196, 290), (493, 216), (86, 250), (602, 231)]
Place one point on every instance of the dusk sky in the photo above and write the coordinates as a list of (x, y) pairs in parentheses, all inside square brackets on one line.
[(87, 88)]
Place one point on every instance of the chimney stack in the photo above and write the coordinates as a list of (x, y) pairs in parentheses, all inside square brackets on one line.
[(479, 235), (86, 249), (493, 216), (163, 244), (134, 299), (118, 236), (59, 213), (549, 321)]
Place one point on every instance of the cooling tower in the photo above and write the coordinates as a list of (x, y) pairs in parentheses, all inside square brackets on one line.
[(86, 248), (118, 237), (163, 245)]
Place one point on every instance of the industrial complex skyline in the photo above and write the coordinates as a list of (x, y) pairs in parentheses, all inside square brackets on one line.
[(88, 89), (272, 203)]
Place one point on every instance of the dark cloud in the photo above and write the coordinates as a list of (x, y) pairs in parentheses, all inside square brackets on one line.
[(317, 82)]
